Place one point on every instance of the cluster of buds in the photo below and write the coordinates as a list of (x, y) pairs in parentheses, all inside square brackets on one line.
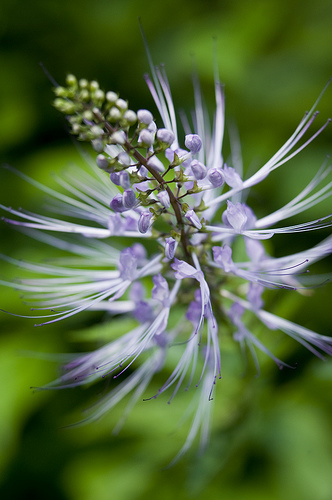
[(153, 174)]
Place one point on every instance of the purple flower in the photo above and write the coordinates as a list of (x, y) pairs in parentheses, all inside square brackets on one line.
[(170, 241)]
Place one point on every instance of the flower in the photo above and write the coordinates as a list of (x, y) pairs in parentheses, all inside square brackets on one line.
[(153, 183)]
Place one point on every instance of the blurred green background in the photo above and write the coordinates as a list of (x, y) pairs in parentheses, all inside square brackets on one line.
[(271, 435)]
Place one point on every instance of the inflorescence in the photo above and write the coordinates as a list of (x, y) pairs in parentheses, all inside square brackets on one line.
[(152, 183)]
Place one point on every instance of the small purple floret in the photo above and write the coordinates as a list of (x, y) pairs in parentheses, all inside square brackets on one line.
[(129, 198), (170, 247), (117, 203), (198, 169), (193, 142), (216, 177), (163, 197), (144, 221), (193, 218)]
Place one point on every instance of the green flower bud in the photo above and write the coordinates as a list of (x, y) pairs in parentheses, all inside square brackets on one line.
[(94, 86), (71, 81), (130, 117), (61, 92), (99, 95), (75, 119), (111, 97), (64, 106), (83, 83), (84, 95), (121, 104), (96, 131), (114, 114), (88, 115), (76, 128)]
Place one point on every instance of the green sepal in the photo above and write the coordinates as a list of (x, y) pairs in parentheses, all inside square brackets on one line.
[(201, 207), (144, 198), (180, 177), (195, 189), (175, 235), (185, 207)]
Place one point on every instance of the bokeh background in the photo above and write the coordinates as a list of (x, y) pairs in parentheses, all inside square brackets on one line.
[(271, 435)]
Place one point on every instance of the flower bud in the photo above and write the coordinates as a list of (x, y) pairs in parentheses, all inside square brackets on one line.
[(84, 95), (130, 117), (144, 221), (117, 203), (83, 83), (143, 171), (71, 80), (111, 97), (102, 162), (114, 114), (156, 164), (115, 178), (144, 116), (99, 95), (94, 85), (216, 177), (193, 142), (198, 169), (170, 247), (64, 106), (76, 128), (97, 145), (192, 217), (145, 138), (124, 179), (163, 197), (118, 137), (121, 104), (96, 131), (129, 198), (124, 158), (87, 115), (61, 92), (165, 136)]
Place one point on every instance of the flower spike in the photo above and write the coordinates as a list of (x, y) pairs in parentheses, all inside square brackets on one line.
[(160, 229)]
